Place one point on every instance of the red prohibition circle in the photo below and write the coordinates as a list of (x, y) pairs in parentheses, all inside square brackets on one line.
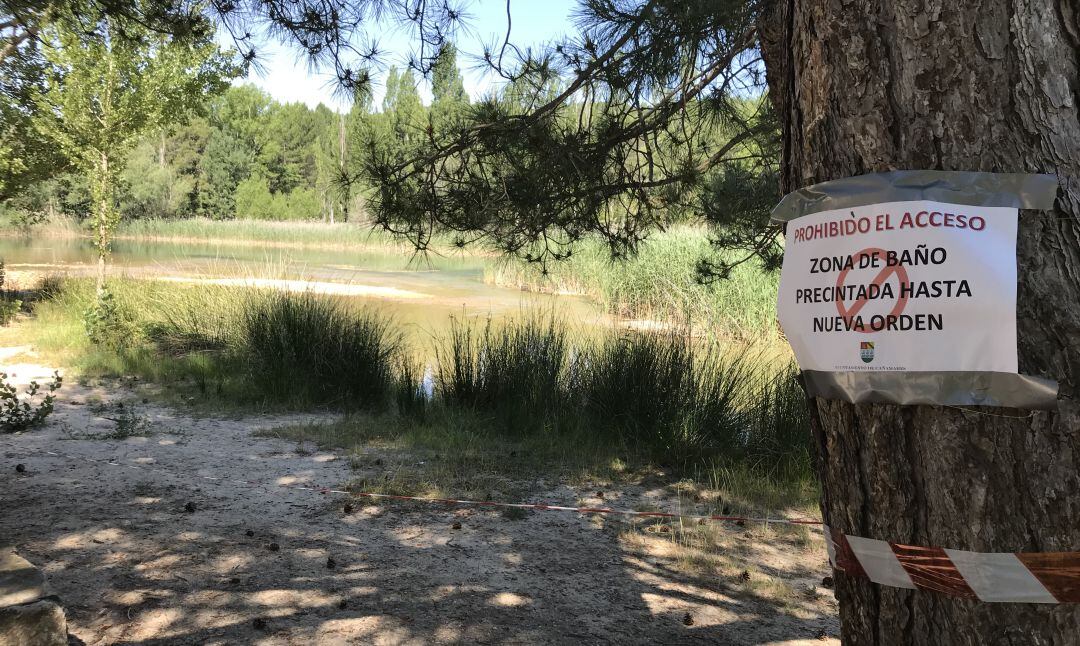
[(898, 270)]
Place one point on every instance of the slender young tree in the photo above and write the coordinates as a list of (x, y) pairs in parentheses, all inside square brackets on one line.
[(101, 91)]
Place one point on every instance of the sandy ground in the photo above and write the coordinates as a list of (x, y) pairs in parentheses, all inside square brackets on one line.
[(29, 276), (133, 566), (313, 286)]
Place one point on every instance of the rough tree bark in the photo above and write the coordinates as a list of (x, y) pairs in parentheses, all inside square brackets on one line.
[(931, 84)]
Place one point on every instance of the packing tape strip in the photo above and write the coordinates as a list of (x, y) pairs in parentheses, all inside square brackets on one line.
[(1016, 190), (998, 577)]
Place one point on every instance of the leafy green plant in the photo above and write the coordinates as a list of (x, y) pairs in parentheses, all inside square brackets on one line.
[(778, 425), (9, 305), (108, 323), (665, 396), (18, 414), (409, 390), (660, 282), (129, 423), (8, 309)]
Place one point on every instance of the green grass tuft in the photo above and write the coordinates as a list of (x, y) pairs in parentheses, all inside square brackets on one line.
[(659, 283), (304, 348)]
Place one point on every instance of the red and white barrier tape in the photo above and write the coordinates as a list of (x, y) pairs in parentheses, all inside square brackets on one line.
[(1023, 577), (455, 501)]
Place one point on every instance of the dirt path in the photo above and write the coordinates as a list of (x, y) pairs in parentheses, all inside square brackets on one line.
[(133, 566)]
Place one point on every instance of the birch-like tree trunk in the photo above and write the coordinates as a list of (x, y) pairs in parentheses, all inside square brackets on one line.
[(929, 84), (103, 217)]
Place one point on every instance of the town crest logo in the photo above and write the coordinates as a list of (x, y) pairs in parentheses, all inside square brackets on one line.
[(866, 351)]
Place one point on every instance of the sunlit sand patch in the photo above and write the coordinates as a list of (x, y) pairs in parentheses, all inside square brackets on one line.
[(294, 480), (279, 598), (647, 325), (704, 614), (160, 564), (232, 562), (135, 597), (114, 558), (445, 592), (447, 634), (110, 535), (8, 353), (70, 542), (46, 265), (316, 287), (418, 537), (509, 600), (387, 629), (157, 623)]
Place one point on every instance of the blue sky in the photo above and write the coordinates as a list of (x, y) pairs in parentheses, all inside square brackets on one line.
[(287, 77)]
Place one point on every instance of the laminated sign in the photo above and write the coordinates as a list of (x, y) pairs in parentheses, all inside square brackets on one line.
[(901, 287)]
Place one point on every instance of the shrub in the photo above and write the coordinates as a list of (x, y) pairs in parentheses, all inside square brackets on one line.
[(49, 286), (661, 281), (9, 305), (778, 425), (660, 395), (410, 390), (518, 371), (663, 397), (110, 323), (303, 348), (20, 414), (197, 320)]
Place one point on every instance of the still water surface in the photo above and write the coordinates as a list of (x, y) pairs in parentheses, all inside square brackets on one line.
[(420, 293)]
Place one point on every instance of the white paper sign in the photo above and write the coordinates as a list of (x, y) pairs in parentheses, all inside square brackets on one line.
[(920, 286)]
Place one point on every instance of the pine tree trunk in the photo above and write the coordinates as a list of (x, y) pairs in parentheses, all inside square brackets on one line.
[(927, 84)]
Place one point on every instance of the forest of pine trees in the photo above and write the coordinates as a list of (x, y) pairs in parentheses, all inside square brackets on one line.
[(244, 155)]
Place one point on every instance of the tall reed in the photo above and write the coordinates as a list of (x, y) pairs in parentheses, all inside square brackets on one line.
[(305, 348), (517, 371), (663, 397)]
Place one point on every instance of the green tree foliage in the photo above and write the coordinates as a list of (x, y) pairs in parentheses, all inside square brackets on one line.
[(447, 86), (402, 106), (651, 112), (104, 85), (23, 163), (254, 200), (151, 187), (236, 134), (224, 164), (285, 153), (656, 103)]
